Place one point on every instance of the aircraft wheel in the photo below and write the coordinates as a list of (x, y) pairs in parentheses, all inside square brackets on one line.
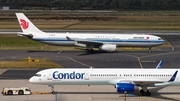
[(148, 93), (89, 50), (143, 93)]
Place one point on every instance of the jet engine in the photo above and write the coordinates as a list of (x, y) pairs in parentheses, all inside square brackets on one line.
[(125, 87), (109, 48)]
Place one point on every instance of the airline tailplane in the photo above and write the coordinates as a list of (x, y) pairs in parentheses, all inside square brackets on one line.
[(159, 65), (26, 25)]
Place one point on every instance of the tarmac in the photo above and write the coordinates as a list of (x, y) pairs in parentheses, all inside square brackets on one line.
[(80, 59), (85, 93)]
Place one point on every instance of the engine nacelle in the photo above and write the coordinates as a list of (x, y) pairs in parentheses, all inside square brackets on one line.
[(125, 87), (109, 48)]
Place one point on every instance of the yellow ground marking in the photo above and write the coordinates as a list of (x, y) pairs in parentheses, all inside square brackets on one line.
[(148, 61), (59, 52), (79, 62), (139, 60), (168, 43)]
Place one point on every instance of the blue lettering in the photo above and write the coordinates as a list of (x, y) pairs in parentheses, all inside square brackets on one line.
[(60, 76), (54, 75), (72, 75), (82, 75), (78, 76)]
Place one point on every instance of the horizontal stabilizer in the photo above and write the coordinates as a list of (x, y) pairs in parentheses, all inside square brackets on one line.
[(29, 35)]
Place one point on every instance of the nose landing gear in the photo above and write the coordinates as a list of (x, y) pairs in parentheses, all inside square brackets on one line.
[(52, 89), (149, 50)]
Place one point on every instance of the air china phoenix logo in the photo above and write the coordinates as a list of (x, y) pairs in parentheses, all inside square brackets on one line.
[(24, 24)]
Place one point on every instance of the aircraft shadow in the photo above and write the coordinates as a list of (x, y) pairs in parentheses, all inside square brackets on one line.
[(41, 51), (159, 95), (97, 52), (87, 93), (154, 91)]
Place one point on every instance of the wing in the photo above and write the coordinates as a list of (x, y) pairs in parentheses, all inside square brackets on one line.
[(138, 82), (81, 41), (87, 42), (146, 82)]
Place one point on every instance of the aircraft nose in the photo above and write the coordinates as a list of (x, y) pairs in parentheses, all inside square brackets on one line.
[(164, 41), (31, 80)]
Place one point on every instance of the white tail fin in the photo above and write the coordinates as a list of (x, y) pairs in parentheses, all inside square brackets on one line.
[(26, 25)]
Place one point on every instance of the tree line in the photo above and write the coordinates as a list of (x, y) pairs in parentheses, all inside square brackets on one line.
[(95, 4)]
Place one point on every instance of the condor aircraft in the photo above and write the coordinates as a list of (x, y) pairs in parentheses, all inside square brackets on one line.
[(104, 42), (125, 80)]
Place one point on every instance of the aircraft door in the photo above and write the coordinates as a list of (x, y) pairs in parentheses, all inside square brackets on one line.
[(49, 76), (86, 77), (45, 36)]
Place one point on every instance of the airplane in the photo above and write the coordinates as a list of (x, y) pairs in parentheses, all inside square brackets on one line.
[(104, 42), (124, 80)]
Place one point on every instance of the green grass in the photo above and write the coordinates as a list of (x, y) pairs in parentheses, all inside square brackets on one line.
[(122, 20), (14, 42), (30, 63), (17, 41)]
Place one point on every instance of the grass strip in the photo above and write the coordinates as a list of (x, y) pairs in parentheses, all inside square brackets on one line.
[(30, 63)]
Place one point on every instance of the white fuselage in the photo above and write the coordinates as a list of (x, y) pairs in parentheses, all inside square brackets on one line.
[(155, 77), (121, 40)]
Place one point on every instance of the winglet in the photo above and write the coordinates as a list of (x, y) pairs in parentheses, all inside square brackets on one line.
[(159, 65), (173, 77)]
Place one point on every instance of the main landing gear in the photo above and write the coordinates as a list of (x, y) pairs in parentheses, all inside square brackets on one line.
[(143, 93), (89, 50), (53, 92)]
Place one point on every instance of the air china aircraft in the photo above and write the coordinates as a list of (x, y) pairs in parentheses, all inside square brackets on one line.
[(104, 42), (124, 80)]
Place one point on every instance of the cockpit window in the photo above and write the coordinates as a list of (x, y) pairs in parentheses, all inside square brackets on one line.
[(37, 75), (159, 39)]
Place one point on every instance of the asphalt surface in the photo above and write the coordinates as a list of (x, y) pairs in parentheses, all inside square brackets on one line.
[(81, 59)]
